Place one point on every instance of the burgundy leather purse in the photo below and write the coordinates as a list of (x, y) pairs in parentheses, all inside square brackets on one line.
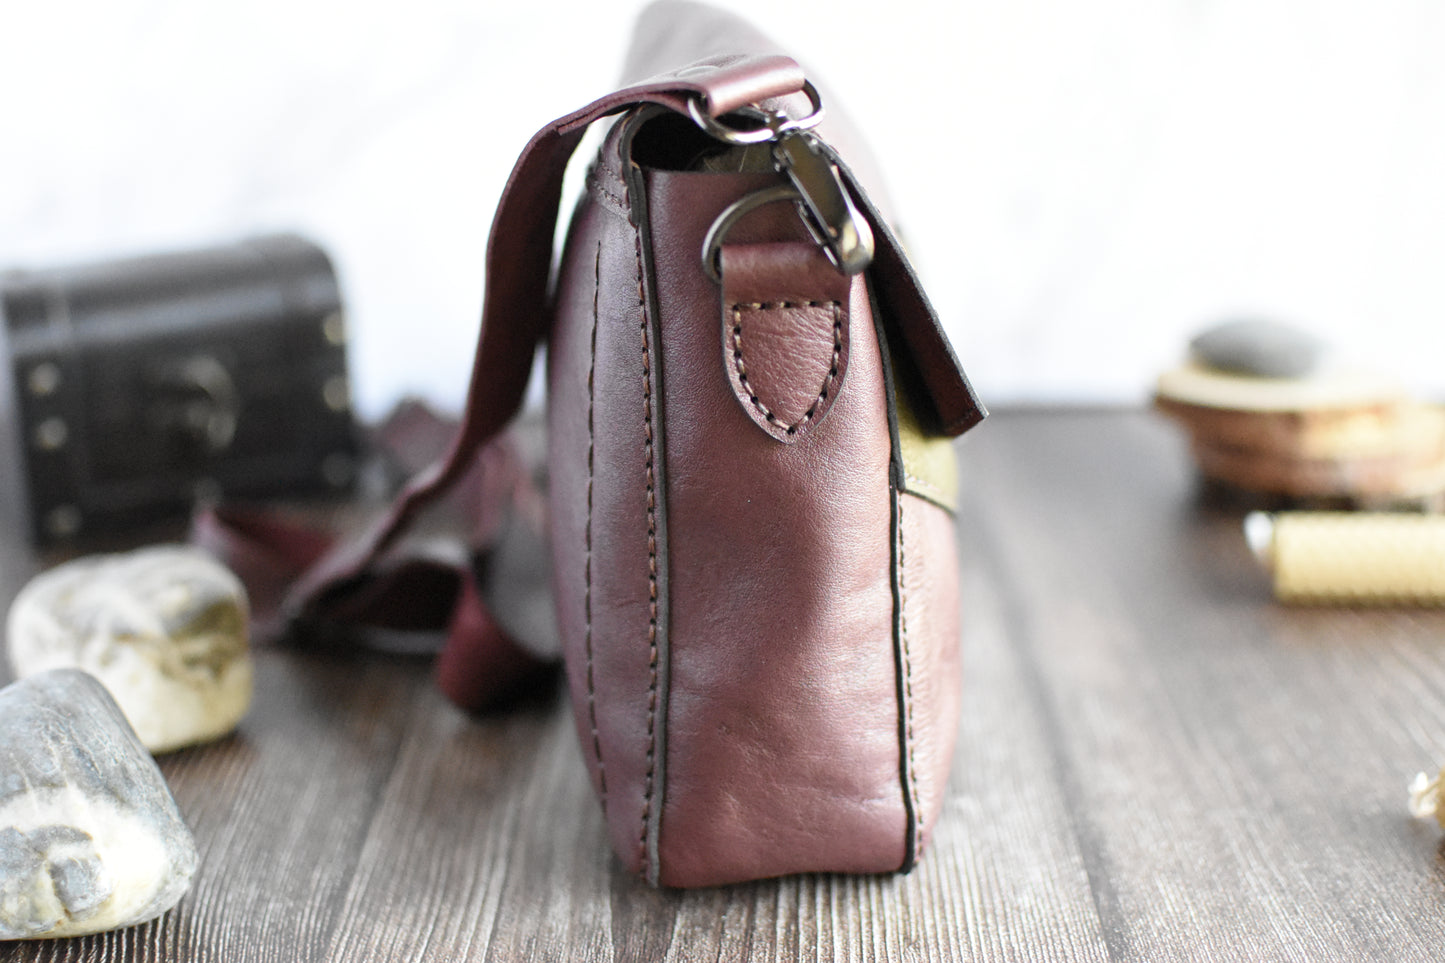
[(750, 403)]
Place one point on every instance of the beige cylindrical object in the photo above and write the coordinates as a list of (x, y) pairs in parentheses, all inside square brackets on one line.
[(1426, 797), (1352, 558)]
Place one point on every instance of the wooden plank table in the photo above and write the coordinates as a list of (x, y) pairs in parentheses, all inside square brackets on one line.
[(1156, 762)]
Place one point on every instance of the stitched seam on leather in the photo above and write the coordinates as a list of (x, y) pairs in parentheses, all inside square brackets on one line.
[(649, 783), (587, 595), (600, 169), (741, 367), (907, 669), (616, 203)]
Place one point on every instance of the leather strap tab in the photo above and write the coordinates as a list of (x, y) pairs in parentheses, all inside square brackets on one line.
[(785, 326)]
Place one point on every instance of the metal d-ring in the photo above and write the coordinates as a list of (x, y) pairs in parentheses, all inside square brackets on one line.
[(774, 124), (734, 212)]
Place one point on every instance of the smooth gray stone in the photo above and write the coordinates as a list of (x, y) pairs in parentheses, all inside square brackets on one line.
[(1262, 349), (90, 837)]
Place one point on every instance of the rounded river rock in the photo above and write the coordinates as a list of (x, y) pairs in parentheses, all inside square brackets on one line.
[(164, 628), (90, 837)]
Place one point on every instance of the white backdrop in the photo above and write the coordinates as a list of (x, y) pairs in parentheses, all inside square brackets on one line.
[(1084, 185)]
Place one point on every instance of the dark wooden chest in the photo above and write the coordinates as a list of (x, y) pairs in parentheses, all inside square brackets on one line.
[(133, 388)]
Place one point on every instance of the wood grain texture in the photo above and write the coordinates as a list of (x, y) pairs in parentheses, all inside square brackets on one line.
[(1156, 762), (1236, 769)]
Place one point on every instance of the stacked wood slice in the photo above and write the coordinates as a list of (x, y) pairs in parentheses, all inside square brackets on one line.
[(1267, 414)]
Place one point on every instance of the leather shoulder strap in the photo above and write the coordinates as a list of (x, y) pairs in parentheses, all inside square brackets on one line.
[(514, 307)]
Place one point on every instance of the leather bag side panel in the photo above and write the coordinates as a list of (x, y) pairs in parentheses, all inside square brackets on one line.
[(929, 632), (600, 503), (783, 713)]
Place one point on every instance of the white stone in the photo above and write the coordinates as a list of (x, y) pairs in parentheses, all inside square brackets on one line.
[(90, 837), (164, 628)]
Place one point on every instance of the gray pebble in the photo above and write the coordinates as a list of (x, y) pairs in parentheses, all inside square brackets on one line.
[(1262, 349), (90, 837)]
